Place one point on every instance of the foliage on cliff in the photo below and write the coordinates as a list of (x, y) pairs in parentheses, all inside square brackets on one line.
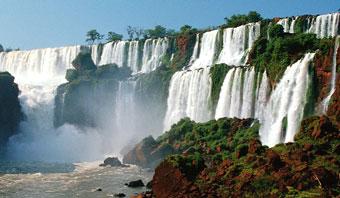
[(194, 139), (217, 74), (306, 168), (283, 49), (10, 109)]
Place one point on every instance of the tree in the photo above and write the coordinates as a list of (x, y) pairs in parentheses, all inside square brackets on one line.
[(253, 17), (187, 29), (93, 35), (241, 19), (112, 36), (275, 31), (158, 31), (1, 48), (130, 31), (139, 32)]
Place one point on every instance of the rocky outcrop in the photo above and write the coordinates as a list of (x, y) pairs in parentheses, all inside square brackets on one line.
[(307, 168), (113, 162), (148, 153), (89, 94), (135, 184), (10, 109)]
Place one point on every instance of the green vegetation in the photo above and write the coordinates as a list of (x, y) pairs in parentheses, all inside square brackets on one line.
[(241, 19), (217, 74), (282, 50), (93, 35), (112, 36), (1, 48), (224, 158), (135, 32)]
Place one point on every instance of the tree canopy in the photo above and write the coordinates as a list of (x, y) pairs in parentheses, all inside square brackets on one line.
[(93, 35), (241, 19), (112, 36)]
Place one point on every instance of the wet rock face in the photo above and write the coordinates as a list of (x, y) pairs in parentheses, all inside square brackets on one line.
[(113, 162), (135, 184), (147, 153), (10, 109)]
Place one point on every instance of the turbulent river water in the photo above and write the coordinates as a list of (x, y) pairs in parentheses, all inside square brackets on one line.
[(68, 180)]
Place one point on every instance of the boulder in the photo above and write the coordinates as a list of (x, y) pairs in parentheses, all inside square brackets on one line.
[(83, 62), (119, 195), (135, 184), (113, 162)]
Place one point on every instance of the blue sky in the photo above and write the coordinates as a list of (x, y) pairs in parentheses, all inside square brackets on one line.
[(28, 24)]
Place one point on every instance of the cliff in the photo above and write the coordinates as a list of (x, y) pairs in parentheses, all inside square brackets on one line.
[(10, 109)]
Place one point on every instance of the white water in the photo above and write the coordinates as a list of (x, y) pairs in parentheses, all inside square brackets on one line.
[(237, 42), (287, 100), (325, 102), (325, 25), (153, 52), (114, 52), (189, 90), (237, 96), (288, 24), (206, 52), (38, 73), (127, 53), (133, 56), (189, 95), (262, 94)]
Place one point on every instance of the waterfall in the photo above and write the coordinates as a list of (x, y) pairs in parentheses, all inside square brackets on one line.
[(325, 25), (237, 94), (40, 65), (114, 52), (133, 56), (94, 53), (237, 42), (189, 90), (284, 110), (262, 93), (206, 52), (194, 55), (153, 52), (38, 73), (125, 116), (288, 24), (189, 95), (325, 102)]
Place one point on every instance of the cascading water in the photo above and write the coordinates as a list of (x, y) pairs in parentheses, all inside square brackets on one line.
[(133, 56), (284, 110), (127, 53), (288, 24), (189, 91), (125, 116), (153, 52), (262, 94), (206, 52), (38, 73), (237, 42), (114, 52), (325, 102), (236, 96), (325, 25)]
